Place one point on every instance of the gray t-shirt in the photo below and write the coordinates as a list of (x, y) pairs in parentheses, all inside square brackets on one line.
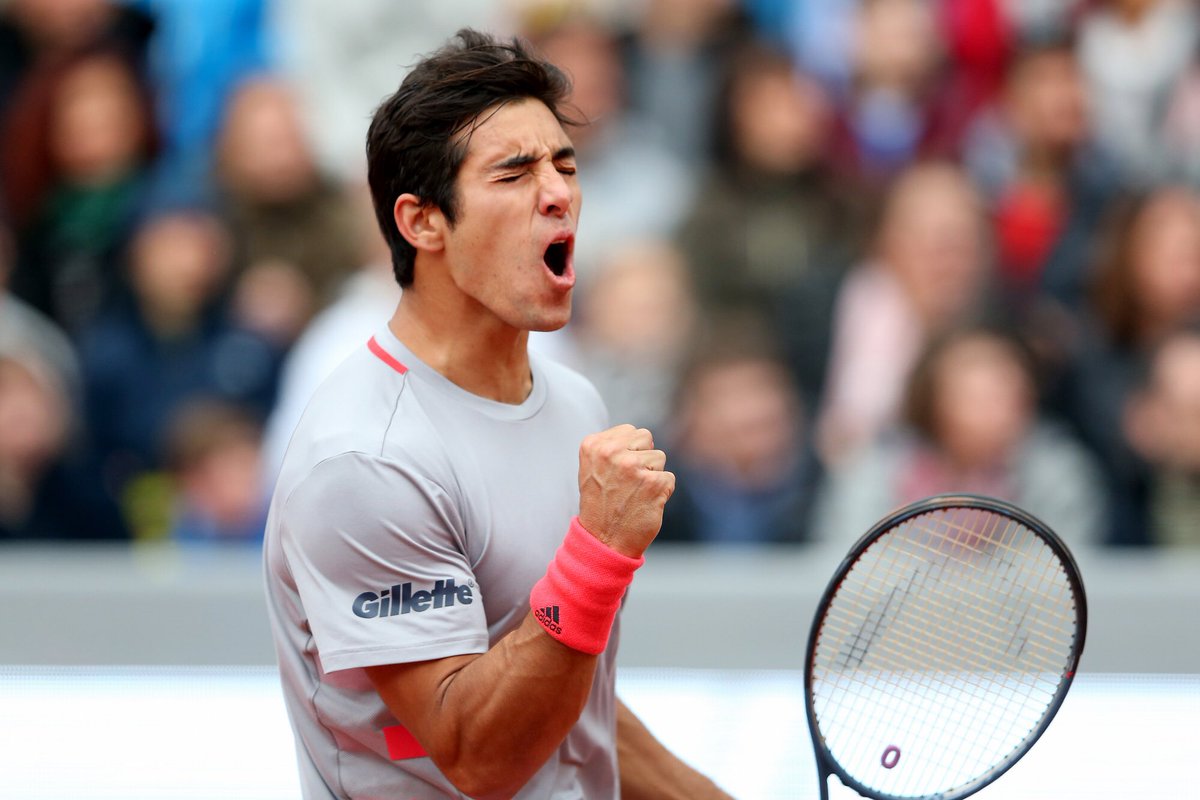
[(410, 520)]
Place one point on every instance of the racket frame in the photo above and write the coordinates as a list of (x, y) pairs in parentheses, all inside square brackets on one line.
[(826, 764)]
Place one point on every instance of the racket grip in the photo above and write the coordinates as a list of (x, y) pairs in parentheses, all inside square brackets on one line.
[(578, 598)]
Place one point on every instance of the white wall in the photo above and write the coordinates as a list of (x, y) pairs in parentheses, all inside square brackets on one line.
[(729, 609)]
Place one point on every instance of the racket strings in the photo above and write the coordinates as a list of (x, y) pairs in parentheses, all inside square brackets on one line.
[(948, 640), (907, 663), (974, 664)]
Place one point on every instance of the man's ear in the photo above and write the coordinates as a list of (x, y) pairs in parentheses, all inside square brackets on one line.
[(421, 224)]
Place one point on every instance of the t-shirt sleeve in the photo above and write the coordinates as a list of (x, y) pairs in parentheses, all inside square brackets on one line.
[(378, 557)]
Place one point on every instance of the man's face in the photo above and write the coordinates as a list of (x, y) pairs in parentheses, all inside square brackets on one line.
[(511, 249)]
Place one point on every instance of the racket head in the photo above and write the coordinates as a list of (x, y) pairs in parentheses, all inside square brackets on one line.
[(945, 540)]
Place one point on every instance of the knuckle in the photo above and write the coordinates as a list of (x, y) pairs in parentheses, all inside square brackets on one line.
[(614, 450)]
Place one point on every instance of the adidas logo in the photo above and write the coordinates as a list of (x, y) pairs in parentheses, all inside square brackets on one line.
[(548, 616)]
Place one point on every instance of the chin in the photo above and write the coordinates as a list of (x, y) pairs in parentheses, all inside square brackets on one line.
[(549, 319), (547, 326)]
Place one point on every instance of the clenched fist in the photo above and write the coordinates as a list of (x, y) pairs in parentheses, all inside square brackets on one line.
[(623, 487)]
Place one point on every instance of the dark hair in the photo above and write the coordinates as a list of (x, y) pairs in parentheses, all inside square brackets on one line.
[(415, 142), (735, 335), (748, 62), (1115, 295), (28, 168), (920, 400), (205, 426)]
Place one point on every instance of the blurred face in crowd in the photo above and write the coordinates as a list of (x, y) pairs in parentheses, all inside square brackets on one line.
[(896, 44), (983, 401), (224, 483), (684, 21), (1166, 419), (61, 23), (179, 263), (587, 52), (99, 121), (779, 120), (263, 152), (1165, 259), (34, 416), (275, 299), (742, 420), (1047, 101), (932, 241), (640, 305)]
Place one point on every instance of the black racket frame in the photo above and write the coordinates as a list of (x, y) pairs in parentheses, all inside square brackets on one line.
[(826, 764)]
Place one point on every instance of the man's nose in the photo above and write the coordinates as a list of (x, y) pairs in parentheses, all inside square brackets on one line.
[(555, 198)]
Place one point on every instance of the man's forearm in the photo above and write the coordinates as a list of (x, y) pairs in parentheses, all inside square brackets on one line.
[(493, 720), (649, 771)]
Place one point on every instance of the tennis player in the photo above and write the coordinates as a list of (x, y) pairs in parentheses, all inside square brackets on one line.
[(453, 529)]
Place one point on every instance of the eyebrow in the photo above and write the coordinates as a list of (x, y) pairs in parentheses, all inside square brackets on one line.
[(525, 159)]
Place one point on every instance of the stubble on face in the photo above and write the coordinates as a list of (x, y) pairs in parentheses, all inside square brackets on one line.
[(510, 250)]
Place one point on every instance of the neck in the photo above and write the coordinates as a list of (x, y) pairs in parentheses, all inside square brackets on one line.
[(473, 351)]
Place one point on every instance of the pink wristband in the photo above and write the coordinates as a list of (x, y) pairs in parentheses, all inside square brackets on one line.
[(579, 596)]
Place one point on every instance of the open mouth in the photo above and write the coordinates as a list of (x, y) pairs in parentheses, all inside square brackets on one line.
[(556, 257)]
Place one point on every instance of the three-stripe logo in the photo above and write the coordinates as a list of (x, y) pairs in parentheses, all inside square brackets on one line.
[(548, 616)]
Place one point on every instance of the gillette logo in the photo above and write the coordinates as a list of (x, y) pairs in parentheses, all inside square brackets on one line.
[(401, 599)]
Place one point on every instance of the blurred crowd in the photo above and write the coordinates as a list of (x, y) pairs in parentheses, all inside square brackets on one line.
[(838, 255)]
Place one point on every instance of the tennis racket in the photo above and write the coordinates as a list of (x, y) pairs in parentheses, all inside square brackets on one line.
[(941, 649)]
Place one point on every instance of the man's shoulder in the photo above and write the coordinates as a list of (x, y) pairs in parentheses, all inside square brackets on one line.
[(362, 405)]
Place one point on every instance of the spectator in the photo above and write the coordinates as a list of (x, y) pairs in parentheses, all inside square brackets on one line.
[(1133, 53), (676, 58), (1163, 424), (770, 227), (198, 54), (170, 342), (1147, 285), (633, 329), (25, 329), (78, 159), (1046, 182), (36, 34), (926, 272), (738, 445), (771, 212), (214, 454), (895, 108), (979, 38), (43, 492), (294, 229), (970, 425)]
